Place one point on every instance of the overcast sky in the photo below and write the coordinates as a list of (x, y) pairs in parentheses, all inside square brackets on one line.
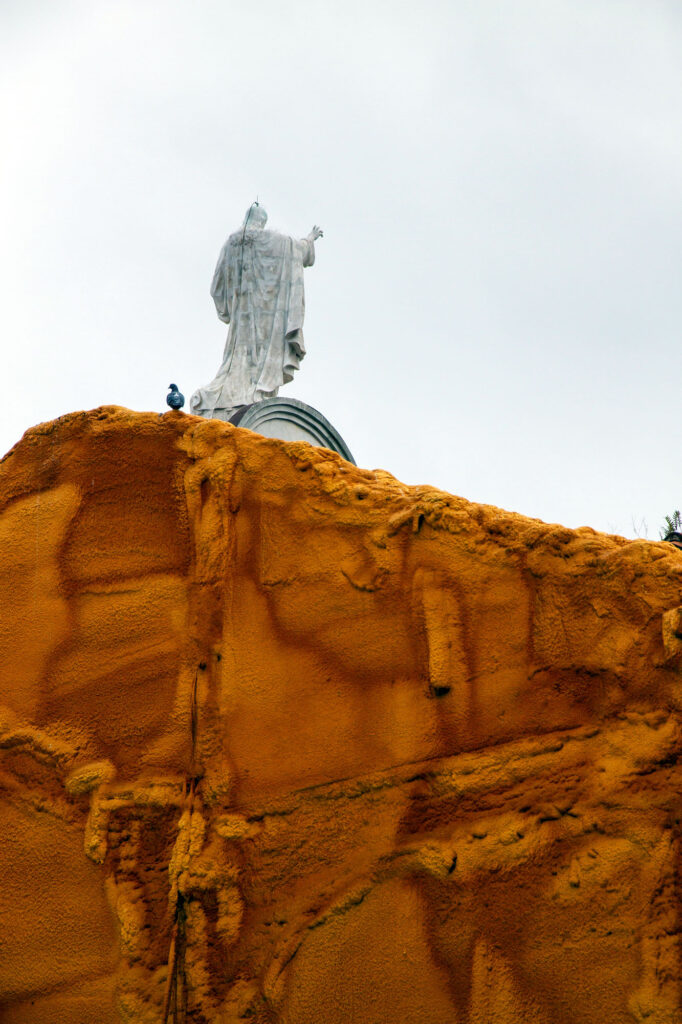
[(496, 305)]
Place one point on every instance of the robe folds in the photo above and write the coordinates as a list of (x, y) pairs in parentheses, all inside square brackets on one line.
[(258, 290)]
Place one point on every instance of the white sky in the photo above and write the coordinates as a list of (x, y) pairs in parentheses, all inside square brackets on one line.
[(496, 305)]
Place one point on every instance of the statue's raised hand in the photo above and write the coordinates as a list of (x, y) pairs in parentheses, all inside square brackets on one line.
[(315, 233)]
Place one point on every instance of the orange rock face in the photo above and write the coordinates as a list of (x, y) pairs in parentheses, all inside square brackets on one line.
[(289, 742)]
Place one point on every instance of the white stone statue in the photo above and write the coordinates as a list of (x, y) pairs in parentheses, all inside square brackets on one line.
[(258, 290)]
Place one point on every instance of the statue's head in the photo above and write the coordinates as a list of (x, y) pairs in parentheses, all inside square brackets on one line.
[(256, 217)]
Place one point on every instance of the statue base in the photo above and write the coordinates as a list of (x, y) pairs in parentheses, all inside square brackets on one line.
[(287, 419)]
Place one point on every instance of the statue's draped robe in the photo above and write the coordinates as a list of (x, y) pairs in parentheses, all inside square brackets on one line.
[(258, 290)]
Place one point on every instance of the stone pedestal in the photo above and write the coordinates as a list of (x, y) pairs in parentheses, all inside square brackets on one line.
[(287, 419)]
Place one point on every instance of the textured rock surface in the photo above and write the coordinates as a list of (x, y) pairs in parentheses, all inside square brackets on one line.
[(333, 748)]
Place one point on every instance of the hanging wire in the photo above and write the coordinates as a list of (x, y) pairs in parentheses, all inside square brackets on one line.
[(241, 255)]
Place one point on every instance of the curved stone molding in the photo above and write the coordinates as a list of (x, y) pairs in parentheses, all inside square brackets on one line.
[(287, 419)]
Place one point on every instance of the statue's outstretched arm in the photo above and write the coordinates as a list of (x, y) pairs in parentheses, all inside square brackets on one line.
[(309, 240)]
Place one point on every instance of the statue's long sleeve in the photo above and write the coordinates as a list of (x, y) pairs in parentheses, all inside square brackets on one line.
[(219, 288), (308, 252)]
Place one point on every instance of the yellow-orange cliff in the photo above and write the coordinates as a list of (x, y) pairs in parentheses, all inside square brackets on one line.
[(289, 742)]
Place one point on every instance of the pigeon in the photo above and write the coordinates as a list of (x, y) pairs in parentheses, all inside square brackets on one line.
[(175, 398)]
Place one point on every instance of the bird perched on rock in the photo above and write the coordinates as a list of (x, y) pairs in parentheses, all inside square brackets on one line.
[(175, 398)]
